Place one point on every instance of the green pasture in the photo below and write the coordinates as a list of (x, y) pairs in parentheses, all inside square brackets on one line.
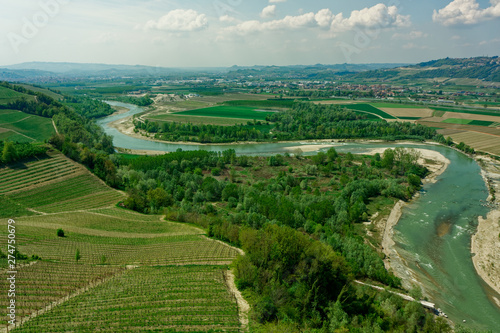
[(19, 126), (397, 105), (457, 121), (239, 112)]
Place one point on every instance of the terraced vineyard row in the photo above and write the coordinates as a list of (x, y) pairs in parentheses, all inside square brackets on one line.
[(42, 283), (155, 299), (185, 250), (36, 173), (76, 193)]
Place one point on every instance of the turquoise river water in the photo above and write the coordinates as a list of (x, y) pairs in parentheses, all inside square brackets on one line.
[(433, 235)]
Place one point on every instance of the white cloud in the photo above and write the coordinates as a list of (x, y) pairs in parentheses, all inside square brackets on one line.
[(287, 23), (324, 18), (378, 16), (227, 18), (276, 1), (412, 35), (466, 12), (268, 12), (179, 20)]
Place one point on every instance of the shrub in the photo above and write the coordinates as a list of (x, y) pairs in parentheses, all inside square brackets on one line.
[(60, 233)]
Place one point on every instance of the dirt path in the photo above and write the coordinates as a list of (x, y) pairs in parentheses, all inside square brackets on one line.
[(55, 127), (243, 305)]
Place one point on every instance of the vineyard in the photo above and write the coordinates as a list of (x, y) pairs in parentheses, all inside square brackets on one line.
[(155, 299), (86, 267), (22, 127), (42, 283), (55, 184)]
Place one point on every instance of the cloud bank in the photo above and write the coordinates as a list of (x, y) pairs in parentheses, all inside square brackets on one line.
[(179, 20), (466, 12)]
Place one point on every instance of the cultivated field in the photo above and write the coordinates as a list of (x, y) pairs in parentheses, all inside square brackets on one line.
[(80, 283), (23, 127), (42, 282), (479, 141), (238, 112), (406, 113), (154, 299), (8, 95)]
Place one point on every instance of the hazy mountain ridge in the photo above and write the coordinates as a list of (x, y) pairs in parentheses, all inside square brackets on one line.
[(482, 68)]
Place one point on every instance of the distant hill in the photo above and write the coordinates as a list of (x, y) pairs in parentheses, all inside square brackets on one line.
[(50, 71), (312, 72), (480, 68)]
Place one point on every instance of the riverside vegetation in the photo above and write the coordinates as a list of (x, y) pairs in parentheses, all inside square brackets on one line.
[(297, 218)]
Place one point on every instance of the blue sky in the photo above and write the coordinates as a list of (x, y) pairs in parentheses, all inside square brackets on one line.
[(196, 33)]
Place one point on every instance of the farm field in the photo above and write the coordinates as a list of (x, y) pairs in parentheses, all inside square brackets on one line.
[(23, 127), (42, 283), (238, 112), (197, 120), (159, 299), (9, 95), (479, 141), (47, 92), (184, 290), (408, 113), (55, 184)]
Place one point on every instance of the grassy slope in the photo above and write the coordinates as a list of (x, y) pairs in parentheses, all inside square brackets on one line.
[(54, 193), (19, 126)]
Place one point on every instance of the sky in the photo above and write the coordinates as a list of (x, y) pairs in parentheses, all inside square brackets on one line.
[(221, 33)]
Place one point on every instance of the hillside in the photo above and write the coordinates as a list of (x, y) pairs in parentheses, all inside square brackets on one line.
[(480, 68), (100, 252)]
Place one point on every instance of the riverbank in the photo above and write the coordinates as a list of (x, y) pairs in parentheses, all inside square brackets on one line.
[(436, 163), (485, 246)]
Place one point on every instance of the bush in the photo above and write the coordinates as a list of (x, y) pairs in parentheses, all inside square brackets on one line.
[(60, 233)]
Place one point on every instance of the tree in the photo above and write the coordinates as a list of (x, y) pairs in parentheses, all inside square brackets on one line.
[(9, 152), (77, 255), (60, 233)]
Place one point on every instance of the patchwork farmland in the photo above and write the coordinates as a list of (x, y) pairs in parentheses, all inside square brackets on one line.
[(175, 278)]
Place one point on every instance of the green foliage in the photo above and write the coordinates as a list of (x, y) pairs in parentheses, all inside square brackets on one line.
[(88, 107), (14, 151), (60, 233), (304, 121), (140, 101), (370, 109)]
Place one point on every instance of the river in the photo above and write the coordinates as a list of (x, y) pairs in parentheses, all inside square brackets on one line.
[(433, 235)]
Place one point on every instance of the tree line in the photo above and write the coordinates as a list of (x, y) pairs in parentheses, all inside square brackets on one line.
[(304, 121)]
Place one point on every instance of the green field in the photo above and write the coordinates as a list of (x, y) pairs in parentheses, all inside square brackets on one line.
[(47, 92), (238, 112), (367, 108), (153, 299), (481, 123), (23, 127), (457, 121), (397, 105), (9, 95), (478, 112), (186, 289)]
